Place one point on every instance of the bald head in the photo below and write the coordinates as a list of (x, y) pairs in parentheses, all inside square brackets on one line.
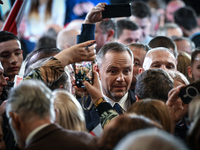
[(172, 6), (66, 38), (159, 58)]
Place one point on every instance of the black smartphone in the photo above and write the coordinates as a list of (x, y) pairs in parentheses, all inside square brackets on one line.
[(190, 91), (117, 10), (83, 72)]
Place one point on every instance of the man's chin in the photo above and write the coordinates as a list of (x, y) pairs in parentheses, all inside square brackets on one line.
[(118, 96)]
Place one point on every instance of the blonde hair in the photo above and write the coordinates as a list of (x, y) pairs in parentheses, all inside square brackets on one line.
[(178, 76), (184, 61), (70, 113)]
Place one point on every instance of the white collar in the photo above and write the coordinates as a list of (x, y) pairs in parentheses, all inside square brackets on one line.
[(122, 102), (36, 130)]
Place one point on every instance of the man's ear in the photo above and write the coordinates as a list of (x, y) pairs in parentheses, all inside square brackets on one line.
[(110, 35), (137, 99), (96, 68), (190, 72), (61, 86), (16, 121), (141, 70)]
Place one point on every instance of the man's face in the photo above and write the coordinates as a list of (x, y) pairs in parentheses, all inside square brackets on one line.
[(139, 55), (196, 68), (129, 36), (144, 24), (160, 59), (116, 74), (183, 46), (11, 58), (174, 32), (171, 8), (100, 37)]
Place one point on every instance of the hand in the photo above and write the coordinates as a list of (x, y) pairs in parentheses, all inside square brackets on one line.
[(77, 53), (95, 14), (175, 105), (95, 89)]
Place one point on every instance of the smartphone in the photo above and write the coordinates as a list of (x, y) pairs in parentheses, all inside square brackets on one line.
[(190, 91), (117, 10), (83, 72)]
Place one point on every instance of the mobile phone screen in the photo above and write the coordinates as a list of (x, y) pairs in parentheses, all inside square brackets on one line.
[(83, 72)]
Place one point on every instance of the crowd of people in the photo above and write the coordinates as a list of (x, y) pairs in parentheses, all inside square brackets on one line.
[(139, 66)]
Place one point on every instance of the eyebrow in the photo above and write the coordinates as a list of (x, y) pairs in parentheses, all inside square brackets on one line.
[(113, 67), (9, 51)]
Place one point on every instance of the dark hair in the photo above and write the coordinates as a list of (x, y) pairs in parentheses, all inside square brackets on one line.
[(108, 25), (154, 84), (7, 36), (46, 41), (140, 9), (121, 126), (125, 24), (192, 45), (163, 41), (186, 17), (194, 55), (42, 53), (140, 46), (153, 109), (112, 46), (62, 80)]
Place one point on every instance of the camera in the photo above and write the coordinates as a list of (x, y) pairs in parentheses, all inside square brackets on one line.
[(190, 91)]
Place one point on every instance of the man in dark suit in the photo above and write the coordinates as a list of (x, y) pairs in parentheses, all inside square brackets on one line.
[(115, 68), (31, 115)]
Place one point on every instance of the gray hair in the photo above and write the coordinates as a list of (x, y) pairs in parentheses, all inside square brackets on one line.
[(151, 139), (31, 98), (160, 49), (177, 39), (162, 31), (112, 46)]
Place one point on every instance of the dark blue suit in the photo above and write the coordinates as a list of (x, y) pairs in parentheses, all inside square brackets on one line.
[(92, 117)]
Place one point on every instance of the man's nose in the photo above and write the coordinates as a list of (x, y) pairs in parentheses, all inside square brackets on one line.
[(163, 67), (13, 59), (120, 77), (3, 81)]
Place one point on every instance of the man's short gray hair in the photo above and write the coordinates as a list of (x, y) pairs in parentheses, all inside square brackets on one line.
[(112, 46), (150, 139), (160, 49), (31, 98)]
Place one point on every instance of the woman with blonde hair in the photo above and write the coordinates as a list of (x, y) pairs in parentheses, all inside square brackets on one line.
[(69, 112)]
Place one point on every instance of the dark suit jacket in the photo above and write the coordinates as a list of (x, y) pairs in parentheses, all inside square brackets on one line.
[(196, 40), (53, 137), (92, 117)]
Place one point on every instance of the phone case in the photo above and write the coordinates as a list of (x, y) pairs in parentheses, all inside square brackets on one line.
[(117, 10)]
